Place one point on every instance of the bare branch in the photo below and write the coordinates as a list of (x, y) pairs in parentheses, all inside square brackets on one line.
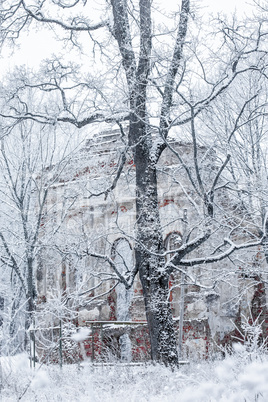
[(76, 25), (233, 247)]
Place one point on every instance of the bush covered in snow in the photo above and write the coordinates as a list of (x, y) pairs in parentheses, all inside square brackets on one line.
[(240, 376)]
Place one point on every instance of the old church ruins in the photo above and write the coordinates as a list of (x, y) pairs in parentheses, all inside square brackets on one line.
[(209, 302)]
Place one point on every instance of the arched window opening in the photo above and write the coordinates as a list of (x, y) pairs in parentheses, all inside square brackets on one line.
[(68, 274), (173, 241), (41, 279), (122, 256)]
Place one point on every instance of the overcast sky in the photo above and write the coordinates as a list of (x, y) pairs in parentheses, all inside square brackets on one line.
[(226, 5), (37, 46)]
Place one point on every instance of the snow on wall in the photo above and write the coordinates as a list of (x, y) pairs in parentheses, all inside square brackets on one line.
[(212, 314)]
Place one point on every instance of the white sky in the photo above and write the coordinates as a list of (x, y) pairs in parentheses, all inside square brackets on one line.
[(37, 46), (226, 5)]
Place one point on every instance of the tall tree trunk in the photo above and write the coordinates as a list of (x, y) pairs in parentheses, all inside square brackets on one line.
[(30, 307), (149, 246)]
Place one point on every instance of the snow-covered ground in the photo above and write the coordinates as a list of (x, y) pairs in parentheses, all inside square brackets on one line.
[(240, 377)]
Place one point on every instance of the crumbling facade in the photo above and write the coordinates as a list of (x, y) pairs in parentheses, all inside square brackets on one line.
[(211, 299)]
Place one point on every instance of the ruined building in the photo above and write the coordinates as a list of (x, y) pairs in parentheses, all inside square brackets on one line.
[(212, 299)]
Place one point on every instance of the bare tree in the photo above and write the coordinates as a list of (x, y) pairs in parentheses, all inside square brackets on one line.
[(31, 161), (239, 128), (173, 87)]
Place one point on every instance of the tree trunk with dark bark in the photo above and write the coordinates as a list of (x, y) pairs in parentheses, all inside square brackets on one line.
[(30, 306), (149, 247), (149, 239)]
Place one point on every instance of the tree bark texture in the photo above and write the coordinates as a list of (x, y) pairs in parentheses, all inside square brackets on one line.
[(149, 238), (149, 247)]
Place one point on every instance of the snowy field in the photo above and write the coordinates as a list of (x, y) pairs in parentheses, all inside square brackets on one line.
[(240, 377)]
